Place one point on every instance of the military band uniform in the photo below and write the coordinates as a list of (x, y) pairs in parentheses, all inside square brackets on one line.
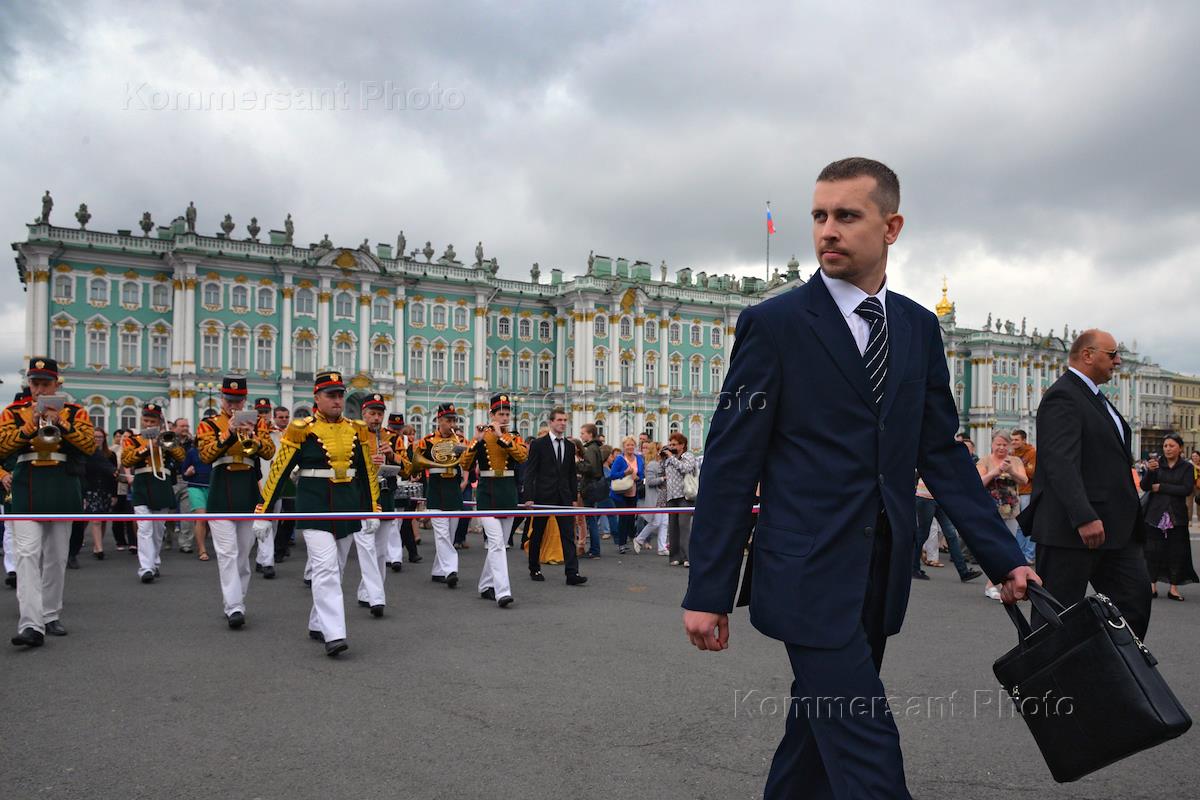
[(335, 474), (46, 479), (10, 556), (395, 540), (264, 558), (443, 492), (232, 488), (497, 457), (372, 546), (153, 490)]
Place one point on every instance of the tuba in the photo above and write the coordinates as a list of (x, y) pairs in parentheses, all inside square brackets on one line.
[(443, 458)]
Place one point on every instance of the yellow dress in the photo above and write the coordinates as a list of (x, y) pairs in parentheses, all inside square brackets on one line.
[(551, 543)]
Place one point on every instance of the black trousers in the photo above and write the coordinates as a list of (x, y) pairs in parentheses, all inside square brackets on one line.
[(840, 740), (566, 533), (1120, 574), (283, 534), (78, 527)]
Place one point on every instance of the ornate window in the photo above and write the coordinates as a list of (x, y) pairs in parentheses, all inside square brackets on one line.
[(697, 334), (461, 318), (626, 374), (306, 302), (437, 363), (504, 371), (210, 296), (676, 376), (98, 348), (62, 345), (676, 333), (99, 416), (544, 330), (210, 351), (239, 350), (160, 347), (343, 305), (714, 336), (439, 317), (650, 376), (98, 292), (459, 366), (524, 371), (131, 294), (417, 420), (524, 329), (416, 315), (265, 300), (504, 328), (694, 377), (626, 331), (343, 356), (676, 426), (264, 352), (304, 354), (64, 289), (601, 367), (544, 376), (381, 309), (239, 298), (381, 358), (129, 418), (651, 330), (160, 297), (416, 362), (600, 326), (715, 376), (696, 432)]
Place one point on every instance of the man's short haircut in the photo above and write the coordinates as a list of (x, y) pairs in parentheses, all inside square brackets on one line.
[(589, 428), (887, 186), (1021, 433), (554, 412), (1082, 342)]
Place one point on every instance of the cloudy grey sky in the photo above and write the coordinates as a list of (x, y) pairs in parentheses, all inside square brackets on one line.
[(1046, 151)]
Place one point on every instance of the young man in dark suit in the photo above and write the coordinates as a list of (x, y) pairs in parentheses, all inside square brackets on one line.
[(848, 384), (1084, 512), (550, 480)]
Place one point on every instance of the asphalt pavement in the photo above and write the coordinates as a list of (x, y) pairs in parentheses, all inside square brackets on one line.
[(588, 692)]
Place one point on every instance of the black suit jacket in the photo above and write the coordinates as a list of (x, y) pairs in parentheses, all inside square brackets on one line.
[(548, 482), (1083, 470)]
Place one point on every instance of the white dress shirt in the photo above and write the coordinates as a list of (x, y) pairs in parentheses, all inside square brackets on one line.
[(1112, 412), (848, 297)]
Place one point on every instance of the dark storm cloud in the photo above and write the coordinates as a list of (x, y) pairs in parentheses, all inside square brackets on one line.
[(1030, 138)]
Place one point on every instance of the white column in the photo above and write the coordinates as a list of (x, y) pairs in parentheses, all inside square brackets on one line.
[(364, 329), (400, 351), (479, 362), (639, 353), (560, 351), (323, 298), (664, 354), (41, 305), (286, 370), (730, 327), (189, 331), (614, 353), (29, 314), (1022, 394)]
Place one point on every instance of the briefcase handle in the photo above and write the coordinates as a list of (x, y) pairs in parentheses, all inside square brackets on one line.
[(1046, 605)]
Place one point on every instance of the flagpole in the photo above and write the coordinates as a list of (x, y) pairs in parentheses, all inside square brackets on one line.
[(768, 245)]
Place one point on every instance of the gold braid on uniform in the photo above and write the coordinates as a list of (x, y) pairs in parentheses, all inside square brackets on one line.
[(360, 431), (11, 440), (285, 459)]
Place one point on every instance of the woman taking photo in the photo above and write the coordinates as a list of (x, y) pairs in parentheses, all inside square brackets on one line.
[(1168, 551), (1002, 474), (628, 467)]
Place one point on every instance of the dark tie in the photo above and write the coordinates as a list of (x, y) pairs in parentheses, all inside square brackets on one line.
[(876, 355), (558, 449)]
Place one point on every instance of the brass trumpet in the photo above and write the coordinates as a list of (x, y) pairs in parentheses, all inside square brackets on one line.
[(250, 446), (49, 437), (167, 439)]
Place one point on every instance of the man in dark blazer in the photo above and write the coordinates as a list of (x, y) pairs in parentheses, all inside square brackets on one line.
[(550, 480), (1084, 512), (837, 391)]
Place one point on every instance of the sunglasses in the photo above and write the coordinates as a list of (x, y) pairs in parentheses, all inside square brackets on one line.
[(1110, 353)]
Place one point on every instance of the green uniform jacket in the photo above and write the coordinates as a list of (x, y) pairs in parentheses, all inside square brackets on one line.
[(57, 486), (156, 494), (232, 487), (493, 454)]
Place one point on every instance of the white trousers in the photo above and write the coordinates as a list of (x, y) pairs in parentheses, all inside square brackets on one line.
[(495, 564), (10, 556), (372, 550), (656, 525), (266, 549), (327, 557), (232, 541), (446, 559), (150, 541), (41, 556), (395, 547)]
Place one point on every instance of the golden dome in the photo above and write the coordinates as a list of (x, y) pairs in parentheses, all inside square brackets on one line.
[(944, 305)]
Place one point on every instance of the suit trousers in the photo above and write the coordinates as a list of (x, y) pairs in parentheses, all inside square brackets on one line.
[(445, 558), (1120, 574), (232, 542), (372, 551), (327, 559), (150, 541), (566, 532), (840, 740), (494, 574), (10, 553), (40, 550)]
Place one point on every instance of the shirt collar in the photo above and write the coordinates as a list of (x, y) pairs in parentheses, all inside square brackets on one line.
[(1090, 383), (848, 297)]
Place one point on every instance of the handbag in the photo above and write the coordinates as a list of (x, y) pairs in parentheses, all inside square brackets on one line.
[(622, 485), (1086, 686)]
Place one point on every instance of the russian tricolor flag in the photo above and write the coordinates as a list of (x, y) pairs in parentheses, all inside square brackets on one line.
[(770, 221)]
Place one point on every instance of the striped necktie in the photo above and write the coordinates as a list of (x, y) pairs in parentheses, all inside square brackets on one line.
[(876, 355)]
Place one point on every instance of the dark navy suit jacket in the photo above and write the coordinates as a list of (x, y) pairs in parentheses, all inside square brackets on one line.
[(796, 414)]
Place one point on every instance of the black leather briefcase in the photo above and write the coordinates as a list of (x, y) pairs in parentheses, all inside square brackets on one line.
[(1086, 686)]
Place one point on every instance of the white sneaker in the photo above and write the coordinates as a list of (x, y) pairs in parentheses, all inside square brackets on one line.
[(664, 552), (993, 592), (637, 546)]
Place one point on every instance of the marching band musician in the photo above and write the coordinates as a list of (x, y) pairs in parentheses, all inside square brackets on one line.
[(234, 451), (395, 537), (264, 559), (336, 474), (50, 447), (21, 398), (498, 450), (153, 485), (444, 488), (372, 547)]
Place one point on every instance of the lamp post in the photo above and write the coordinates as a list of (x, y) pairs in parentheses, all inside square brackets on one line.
[(208, 387)]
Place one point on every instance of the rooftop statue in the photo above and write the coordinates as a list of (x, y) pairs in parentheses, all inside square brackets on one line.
[(449, 255), (401, 243), (227, 224), (479, 254), (325, 241), (47, 206), (428, 251), (146, 224), (190, 217), (82, 215), (289, 230)]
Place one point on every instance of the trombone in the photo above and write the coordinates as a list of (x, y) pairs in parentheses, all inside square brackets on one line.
[(157, 441)]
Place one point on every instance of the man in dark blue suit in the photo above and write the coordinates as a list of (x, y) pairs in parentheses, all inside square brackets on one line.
[(837, 391)]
